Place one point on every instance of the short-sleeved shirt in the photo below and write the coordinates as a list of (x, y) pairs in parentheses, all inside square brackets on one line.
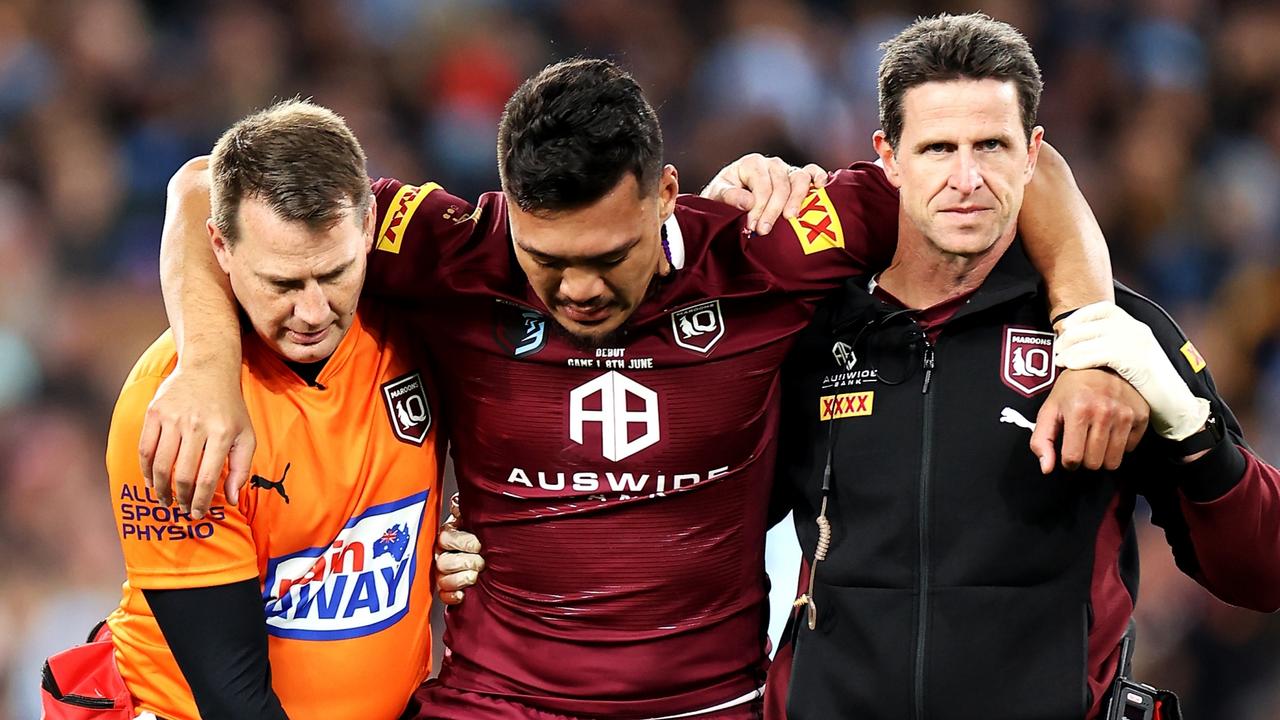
[(338, 524), (620, 491)]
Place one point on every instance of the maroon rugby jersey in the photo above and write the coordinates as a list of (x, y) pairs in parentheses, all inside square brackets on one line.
[(620, 492)]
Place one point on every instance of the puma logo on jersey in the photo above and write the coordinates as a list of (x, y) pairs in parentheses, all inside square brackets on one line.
[(1013, 417), (278, 485)]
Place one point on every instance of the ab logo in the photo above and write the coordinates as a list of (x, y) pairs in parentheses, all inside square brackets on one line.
[(626, 411)]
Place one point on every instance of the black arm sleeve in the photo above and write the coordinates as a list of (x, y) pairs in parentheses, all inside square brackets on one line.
[(219, 640)]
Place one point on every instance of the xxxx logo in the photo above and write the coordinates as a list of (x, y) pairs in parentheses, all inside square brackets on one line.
[(817, 224), (844, 405), (400, 211)]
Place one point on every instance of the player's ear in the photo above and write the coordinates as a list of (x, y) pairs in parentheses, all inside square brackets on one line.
[(221, 247), (888, 157), (1033, 150), (668, 189), (370, 222)]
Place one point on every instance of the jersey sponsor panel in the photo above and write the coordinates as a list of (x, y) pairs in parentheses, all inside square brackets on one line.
[(143, 517), (400, 211), (605, 485), (846, 405), (817, 225), (625, 411), (354, 586)]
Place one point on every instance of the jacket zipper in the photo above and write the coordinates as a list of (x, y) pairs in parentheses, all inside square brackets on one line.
[(926, 466)]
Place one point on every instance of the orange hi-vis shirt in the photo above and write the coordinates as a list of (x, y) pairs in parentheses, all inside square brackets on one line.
[(338, 524)]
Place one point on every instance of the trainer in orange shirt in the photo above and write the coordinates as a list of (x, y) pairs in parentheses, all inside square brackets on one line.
[(311, 596)]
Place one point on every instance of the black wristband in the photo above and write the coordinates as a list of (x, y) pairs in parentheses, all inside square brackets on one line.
[(1206, 439), (1062, 316)]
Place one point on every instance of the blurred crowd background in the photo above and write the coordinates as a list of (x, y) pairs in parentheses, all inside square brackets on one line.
[(1168, 110)]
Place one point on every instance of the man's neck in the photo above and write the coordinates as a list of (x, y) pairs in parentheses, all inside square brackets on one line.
[(922, 276)]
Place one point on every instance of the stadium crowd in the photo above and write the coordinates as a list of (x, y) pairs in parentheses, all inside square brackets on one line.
[(1168, 110)]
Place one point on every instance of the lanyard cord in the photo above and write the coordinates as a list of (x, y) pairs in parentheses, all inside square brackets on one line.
[(824, 536)]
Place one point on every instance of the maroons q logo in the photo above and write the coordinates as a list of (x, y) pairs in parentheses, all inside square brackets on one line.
[(698, 327), (407, 408), (1026, 363)]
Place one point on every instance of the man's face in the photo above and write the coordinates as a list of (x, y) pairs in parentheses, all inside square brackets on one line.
[(592, 266), (962, 163), (298, 286)]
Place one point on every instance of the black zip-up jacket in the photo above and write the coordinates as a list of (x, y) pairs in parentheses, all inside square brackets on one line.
[(960, 582)]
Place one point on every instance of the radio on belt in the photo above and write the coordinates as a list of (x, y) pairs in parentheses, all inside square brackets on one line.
[(1132, 700)]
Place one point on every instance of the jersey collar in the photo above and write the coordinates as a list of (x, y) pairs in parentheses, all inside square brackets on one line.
[(261, 358), (1013, 277)]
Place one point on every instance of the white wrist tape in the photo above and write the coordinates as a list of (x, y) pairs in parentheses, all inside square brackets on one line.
[(1103, 335)]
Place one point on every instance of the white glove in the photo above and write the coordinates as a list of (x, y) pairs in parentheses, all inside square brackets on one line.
[(1103, 335)]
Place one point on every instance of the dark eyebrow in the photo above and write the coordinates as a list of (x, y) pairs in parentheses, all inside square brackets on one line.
[(590, 260)]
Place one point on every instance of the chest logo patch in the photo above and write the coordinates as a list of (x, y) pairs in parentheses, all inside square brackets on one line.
[(625, 410), (407, 408), (519, 332), (356, 585), (698, 327), (1026, 362), (846, 405)]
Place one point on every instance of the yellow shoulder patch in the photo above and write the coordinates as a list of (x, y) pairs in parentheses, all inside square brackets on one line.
[(1193, 356), (817, 225), (399, 211)]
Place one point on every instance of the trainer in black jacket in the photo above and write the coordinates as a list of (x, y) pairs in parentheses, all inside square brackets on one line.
[(959, 581)]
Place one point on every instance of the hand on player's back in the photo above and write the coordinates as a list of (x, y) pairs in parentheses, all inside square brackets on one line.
[(766, 187), (196, 424), (458, 561)]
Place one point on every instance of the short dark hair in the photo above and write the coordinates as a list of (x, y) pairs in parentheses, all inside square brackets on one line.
[(570, 134), (953, 47), (301, 159)]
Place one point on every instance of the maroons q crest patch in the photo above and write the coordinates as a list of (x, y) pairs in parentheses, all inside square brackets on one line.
[(407, 408), (698, 327), (1026, 363)]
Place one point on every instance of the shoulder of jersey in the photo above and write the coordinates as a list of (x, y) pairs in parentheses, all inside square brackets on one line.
[(861, 173), (158, 360), (399, 205), (1162, 324)]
